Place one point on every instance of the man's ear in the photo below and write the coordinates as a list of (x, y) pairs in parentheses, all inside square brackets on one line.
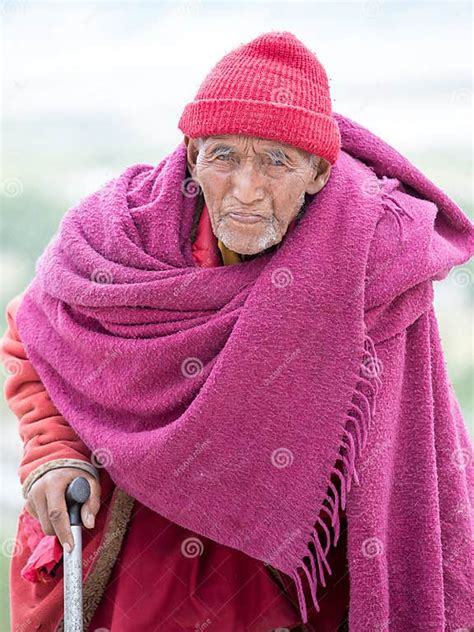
[(321, 176), (192, 152)]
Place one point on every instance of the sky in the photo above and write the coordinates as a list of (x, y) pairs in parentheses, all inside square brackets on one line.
[(403, 67)]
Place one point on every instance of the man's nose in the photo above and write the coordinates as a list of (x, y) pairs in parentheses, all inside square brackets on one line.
[(248, 183)]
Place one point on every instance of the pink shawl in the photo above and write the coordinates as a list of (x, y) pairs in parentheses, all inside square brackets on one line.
[(225, 398)]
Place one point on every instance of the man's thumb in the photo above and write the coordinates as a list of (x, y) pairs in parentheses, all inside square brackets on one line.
[(89, 510), (87, 516)]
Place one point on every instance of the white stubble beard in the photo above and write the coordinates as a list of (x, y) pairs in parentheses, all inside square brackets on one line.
[(269, 237)]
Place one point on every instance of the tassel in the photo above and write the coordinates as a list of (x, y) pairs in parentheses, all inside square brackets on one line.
[(336, 499), (301, 599), (336, 525), (390, 204), (326, 531), (356, 477), (357, 425), (358, 433), (326, 510), (347, 472), (317, 546), (311, 578), (331, 505), (350, 449), (361, 425), (402, 210), (314, 573), (347, 459), (365, 401), (343, 486), (351, 473), (321, 558)]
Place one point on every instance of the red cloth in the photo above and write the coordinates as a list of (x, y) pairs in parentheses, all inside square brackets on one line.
[(155, 586), (46, 551), (169, 579)]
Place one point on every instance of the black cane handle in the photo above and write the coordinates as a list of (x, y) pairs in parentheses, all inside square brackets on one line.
[(77, 492)]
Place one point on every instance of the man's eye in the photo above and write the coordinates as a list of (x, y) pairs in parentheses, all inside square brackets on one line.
[(224, 156), (277, 162)]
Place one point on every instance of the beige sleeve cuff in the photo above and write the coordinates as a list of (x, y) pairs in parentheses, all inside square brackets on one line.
[(56, 463)]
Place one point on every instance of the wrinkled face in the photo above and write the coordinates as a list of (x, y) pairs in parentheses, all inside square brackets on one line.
[(253, 187)]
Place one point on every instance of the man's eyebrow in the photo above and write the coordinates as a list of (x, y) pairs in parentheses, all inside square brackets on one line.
[(275, 152), (278, 153), (220, 148)]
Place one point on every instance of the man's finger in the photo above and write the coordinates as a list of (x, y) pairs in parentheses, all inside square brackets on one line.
[(58, 515), (42, 511)]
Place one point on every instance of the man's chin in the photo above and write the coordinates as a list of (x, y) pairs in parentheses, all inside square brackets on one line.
[(248, 248), (247, 242)]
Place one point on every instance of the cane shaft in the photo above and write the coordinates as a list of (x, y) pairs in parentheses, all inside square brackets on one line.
[(73, 584)]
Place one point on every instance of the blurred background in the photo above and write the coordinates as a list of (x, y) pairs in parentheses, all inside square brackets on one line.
[(88, 88)]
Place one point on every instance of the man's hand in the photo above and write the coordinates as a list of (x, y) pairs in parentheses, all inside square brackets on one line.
[(47, 501)]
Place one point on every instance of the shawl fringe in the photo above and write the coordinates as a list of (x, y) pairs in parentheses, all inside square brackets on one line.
[(390, 204), (358, 422)]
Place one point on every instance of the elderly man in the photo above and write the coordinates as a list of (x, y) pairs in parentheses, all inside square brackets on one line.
[(238, 349), (254, 188)]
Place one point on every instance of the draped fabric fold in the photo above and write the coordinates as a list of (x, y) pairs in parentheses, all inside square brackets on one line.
[(226, 398)]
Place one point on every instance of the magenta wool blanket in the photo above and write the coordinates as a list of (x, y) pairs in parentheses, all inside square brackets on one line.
[(229, 399)]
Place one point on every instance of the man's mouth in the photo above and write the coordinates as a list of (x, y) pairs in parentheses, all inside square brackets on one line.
[(245, 218)]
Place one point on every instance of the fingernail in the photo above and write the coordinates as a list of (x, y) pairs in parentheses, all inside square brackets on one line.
[(90, 520), (68, 547)]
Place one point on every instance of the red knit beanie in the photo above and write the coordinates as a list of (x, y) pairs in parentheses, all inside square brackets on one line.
[(273, 87)]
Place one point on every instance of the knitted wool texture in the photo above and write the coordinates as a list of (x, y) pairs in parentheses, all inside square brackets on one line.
[(275, 87)]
